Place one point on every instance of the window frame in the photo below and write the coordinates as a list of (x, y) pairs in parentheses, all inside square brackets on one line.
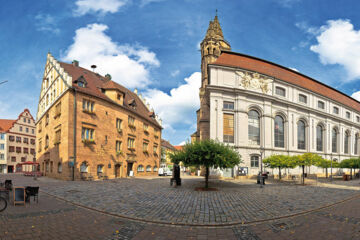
[(278, 90), (304, 97), (254, 163)]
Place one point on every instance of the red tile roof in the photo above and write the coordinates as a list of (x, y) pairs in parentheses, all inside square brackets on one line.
[(167, 145), (179, 148), (95, 83), (6, 124), (232, 59)]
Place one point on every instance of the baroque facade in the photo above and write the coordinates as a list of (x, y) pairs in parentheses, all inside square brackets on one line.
[(17, 142), (262, 108), (89, 127)]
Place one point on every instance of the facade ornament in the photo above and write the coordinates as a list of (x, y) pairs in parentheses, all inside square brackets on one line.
[(254, 81)]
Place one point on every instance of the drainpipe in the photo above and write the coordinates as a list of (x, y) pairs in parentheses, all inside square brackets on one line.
[(73, 173)]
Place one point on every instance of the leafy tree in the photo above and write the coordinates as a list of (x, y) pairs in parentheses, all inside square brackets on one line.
[(351, 163), (207, 153), (279, 161), (306, 159), (325, 163)]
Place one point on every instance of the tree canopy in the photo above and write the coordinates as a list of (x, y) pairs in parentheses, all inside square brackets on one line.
[(207, 153)]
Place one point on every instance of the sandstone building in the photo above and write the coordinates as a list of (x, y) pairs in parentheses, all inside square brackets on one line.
[(88, 126), (262, 108), (17, 142), (166, 150)]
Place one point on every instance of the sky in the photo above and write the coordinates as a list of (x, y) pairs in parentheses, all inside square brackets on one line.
[(153, 45)]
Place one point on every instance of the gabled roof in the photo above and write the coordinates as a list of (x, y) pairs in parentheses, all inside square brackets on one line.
[(95, 84), (167, 145), (238, 60), (6, 124)]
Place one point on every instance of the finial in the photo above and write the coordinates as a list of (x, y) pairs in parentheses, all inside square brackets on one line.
[(216, 13)]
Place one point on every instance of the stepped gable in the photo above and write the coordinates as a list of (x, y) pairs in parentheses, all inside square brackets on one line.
[(95, 83), (238, 60), (6, 124)]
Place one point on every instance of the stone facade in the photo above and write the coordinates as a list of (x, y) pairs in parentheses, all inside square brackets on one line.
[(17, 142), (106, 116)]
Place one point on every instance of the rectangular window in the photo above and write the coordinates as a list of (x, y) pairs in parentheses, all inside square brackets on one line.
[(32, 141), (87, 134), (254, 161), (27, 130), (24, 120), (2, 136), (2, 156), (155, 149), (18, 149), (40, 126), (357, 119), (118, 123), (228, 135), (13, 159), (228, 105), (11, 149), (39, 148), (2, 146), (146, 127), (131, 143), (131, 122), (57, 110), (156, 133), (348, 115), (335, 110), (280, 91), (26, 140), (23, 159), (18, 139), (302, 98), (32, 131), (118, 146), (88, 106), (32, 150), (26, 150), (321, 105), (20, 128), (57, 139), (145, 147)]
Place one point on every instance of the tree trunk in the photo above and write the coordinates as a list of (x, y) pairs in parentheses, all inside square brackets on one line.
[(326, 170), (279, 173), (351, 173), (207, 177), (303, 175)]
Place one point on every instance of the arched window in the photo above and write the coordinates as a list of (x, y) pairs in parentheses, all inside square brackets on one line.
[(346, 142), (301, 135), (148, 168), (100, 169), (140, 168), (356, 143), (254, 128), (254, 161), (319, 138), (84, 167), (155, 169), (59, 167), (279, 131), (334, 140)]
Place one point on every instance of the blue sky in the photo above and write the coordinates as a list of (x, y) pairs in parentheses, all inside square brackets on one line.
[(153, 45)]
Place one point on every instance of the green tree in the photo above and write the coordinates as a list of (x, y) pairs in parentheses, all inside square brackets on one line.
[(280, 162), (207, 153), (351, 163), (306, 159), (325, 163)]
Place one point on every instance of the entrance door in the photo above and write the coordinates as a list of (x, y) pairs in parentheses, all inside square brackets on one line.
[(129, 168), (10, 169), (117, 170)]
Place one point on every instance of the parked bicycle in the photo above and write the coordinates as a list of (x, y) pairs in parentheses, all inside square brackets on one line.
[(3, 204)]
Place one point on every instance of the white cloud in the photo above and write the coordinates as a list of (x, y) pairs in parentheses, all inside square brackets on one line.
[(46, 23), (175, 73), (356, 95), (180, 105), (98, 6), (128, 65), (339, 43)]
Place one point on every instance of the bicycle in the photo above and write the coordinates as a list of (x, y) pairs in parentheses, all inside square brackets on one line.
[(3, 204)]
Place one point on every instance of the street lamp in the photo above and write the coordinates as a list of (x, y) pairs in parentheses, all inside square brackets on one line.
[(262, 150), (331, 168)]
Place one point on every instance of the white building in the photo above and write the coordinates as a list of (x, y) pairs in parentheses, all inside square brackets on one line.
[(3, 152), (262, 108)]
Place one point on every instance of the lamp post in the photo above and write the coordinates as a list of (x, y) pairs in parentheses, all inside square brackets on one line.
[(262, 150), (331, 168)]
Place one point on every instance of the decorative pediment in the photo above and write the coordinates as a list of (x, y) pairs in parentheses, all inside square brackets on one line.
[(254, 81)]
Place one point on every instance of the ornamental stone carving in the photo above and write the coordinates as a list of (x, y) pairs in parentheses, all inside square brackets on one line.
[(254, 81)]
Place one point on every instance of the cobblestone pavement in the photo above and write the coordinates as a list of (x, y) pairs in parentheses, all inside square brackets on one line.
[(56, 219), (154, 200)]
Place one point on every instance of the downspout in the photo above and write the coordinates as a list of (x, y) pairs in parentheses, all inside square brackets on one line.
[(73, 173)]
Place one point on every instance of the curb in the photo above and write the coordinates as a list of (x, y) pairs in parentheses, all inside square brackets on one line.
[(204, 225)]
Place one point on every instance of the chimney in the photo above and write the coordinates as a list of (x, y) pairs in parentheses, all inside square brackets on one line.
[(75, 63), (107, 77)]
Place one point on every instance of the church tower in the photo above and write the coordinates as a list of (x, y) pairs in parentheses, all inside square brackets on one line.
[(211, 48)]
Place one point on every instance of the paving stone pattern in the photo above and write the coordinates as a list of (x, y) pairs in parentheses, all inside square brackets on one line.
[(155, 200)]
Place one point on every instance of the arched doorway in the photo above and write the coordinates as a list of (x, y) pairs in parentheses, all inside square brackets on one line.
[(117, 170)]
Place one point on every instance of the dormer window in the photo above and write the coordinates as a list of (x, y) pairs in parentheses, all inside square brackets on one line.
[(132, 104), (81, 82)]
